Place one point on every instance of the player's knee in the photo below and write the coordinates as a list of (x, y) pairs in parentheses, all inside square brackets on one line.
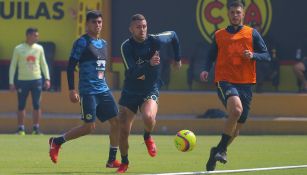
[(299, 67), (114, 122), (149, 120), (236, 113), (149, 116)]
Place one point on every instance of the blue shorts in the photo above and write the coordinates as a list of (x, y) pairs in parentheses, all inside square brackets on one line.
[(243, 91), (101, 105), (24, 87), (135, 101)]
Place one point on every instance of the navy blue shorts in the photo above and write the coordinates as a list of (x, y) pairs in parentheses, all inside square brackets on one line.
[(24, 87), (102, 106), (135, 101), (243, 91)]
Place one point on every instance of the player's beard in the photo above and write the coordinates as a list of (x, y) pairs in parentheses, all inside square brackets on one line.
[(236, 22)]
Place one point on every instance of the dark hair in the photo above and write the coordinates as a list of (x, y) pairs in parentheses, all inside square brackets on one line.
[(93, 14), (137, 17), (236, 3), (31, 30)]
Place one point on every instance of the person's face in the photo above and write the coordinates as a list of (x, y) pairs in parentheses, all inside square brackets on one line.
[(94, 26), (236, 16), (138, 30), (32, 37)]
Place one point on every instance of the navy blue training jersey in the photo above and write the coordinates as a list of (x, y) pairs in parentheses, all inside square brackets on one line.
[(140, 76), (91, 55)]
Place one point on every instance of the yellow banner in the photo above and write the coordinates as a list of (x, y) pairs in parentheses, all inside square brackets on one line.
[(56, 20)]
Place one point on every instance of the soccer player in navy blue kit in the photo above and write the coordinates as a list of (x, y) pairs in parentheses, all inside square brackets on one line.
[(140, 55), (90, 52)]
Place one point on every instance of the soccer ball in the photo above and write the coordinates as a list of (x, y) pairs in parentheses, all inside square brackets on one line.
[(185, 140)]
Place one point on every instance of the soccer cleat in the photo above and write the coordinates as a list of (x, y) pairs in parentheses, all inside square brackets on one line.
[(151, 147), (221, 157), (21, 132), (37, 132), (113, 164), (211, 163), (122, 168), (53, 150)]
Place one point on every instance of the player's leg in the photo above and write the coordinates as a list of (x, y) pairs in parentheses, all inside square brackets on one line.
[(88, 109), (299, 70), (114, 143), (36, 91), (234, 110), (149, 110), (22, 95), (229, 96), (236, 133), (246, 98), (107, 111), (126, 118)]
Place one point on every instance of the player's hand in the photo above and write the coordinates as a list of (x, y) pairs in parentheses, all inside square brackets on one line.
[(12, 87), (204, 76), (74, 96), (248, 54), (47, 84), (177, 64), (155, 59)]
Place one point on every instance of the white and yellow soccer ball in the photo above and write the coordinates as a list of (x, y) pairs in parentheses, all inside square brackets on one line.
[(185, 140)]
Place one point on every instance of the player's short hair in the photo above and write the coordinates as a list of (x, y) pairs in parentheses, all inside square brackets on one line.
[(93, 14), (31, 30), (236, 3), (137, 17)]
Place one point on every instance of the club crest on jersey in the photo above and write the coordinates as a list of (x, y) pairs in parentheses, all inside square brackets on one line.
[(139, 61)]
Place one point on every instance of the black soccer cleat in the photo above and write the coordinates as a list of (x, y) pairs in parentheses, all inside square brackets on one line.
[(211, 163), (221, 157)]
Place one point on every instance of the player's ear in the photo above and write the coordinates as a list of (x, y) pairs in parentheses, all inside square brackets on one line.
[(130, 29)]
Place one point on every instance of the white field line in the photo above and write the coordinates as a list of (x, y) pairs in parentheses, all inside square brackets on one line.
[(235, 171)]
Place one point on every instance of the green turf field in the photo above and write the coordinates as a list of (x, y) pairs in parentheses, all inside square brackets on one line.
[(29, 155)]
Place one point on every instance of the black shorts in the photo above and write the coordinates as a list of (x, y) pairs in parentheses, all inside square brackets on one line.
[(135, 101), (102, 106), (243, 91), (24, 87)]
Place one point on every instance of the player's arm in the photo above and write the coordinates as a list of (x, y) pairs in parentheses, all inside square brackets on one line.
[(170, 37), (260, 50), (12, 70), (45, 69), (209, 60), (133, 70), (74, 58)]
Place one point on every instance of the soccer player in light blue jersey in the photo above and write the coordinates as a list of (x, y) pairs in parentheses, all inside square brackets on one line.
[(96, 100)]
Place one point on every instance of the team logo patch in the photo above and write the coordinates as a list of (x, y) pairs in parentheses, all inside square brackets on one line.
[(153, 97), (228, 92), (211, 15), (139, 61), (88, 117)]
